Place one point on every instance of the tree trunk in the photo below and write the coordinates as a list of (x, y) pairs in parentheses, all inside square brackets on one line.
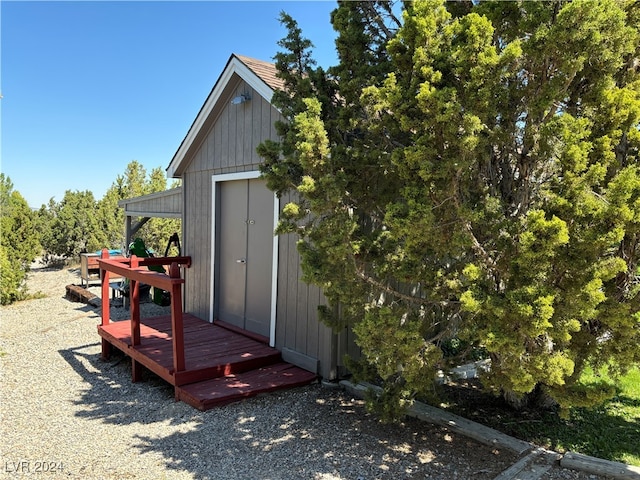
[(536, 399)]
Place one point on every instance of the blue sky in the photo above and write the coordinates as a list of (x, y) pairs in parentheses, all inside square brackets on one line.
[(90, 86)]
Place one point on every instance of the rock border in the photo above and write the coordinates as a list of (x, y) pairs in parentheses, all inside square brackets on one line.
[(492, 437)]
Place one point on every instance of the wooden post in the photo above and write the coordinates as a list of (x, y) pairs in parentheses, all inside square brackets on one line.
[(127, 230), (106, 315), (176, 320), (134, 298)]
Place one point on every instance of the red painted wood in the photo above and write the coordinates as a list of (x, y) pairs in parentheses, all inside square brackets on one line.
[(136, 371), (180, 261), (135, 270), (177, 324), (142, 274), (221, 391), (106, 315), (134, 297), (104, 275)]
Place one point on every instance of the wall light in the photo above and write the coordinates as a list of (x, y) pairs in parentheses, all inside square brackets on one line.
[(240, 99)]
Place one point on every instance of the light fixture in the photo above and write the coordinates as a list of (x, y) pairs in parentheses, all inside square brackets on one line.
[(240, 99)]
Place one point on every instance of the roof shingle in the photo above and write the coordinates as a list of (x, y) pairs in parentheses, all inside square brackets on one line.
[(265, 70)]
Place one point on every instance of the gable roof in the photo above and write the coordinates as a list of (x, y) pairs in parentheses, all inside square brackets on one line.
[(260, 75), (265, 70)]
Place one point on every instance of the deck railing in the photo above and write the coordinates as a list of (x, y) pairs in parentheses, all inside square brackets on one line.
[(135, 269)]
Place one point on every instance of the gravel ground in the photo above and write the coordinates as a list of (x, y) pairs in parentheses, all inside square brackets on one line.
[(64, 413)]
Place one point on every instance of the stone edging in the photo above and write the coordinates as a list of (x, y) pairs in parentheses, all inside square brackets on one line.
[(492, 437)]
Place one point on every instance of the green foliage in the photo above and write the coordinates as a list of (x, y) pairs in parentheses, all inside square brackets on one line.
[(157, 231), (79, 223), (74, 226), (12, 277), (472, 172), (19, 242)]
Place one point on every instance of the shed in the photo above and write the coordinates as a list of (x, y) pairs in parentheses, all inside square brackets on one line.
[(241, 273)]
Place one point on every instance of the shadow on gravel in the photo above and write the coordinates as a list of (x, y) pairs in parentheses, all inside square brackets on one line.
[(309, 432)]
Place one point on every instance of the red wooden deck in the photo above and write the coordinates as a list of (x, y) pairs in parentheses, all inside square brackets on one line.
[(221, 366), (208, 364)]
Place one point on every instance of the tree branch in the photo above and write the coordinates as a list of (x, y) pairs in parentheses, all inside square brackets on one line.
[(374, 17), (403, 296), (477, 247)]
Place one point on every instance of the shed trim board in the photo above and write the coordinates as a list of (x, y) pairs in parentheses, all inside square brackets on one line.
[(216, 181), (142, 213), (150, 196)]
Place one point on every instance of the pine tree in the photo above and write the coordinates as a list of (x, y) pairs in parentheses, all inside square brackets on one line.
[(135, 182), (156, 233), (472, 174), (19, 242), (74, 226)]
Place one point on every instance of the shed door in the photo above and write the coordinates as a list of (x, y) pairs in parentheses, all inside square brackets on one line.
[(245, 254)]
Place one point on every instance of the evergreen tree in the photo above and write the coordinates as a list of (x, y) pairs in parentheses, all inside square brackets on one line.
[(471, 173), (157, 231), (19, 242), (45, 215), (111, 216), (74, 226)]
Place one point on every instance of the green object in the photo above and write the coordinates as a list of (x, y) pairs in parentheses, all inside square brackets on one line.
[(139, 249)]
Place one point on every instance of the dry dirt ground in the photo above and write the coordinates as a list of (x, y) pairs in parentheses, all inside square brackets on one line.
[(64, 413)]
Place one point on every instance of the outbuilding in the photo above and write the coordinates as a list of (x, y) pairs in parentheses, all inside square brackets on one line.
[(241, 273)]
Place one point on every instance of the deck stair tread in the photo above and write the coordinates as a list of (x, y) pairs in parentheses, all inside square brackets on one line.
[(231, 388)]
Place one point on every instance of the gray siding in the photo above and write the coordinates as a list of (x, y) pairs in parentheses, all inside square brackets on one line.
[(297, 324), (197, 243)]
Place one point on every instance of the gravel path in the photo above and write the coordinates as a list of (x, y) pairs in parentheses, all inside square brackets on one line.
[(67, 414)]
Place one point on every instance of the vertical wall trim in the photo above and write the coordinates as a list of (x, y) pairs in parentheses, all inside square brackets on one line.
[(274, 271), (183, 236), (213, 248)]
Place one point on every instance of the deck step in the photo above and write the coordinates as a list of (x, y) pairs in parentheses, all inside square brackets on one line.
[(231, 388)]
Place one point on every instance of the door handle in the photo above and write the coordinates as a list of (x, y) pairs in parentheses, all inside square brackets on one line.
[(241, 260)]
